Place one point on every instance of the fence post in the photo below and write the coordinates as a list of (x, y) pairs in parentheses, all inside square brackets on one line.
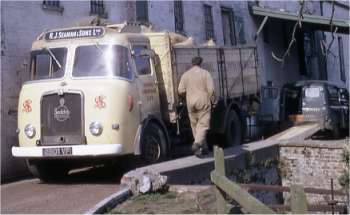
[(298, 201), (220, 169)]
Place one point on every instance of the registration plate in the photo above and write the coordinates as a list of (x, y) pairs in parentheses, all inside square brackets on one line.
[(57, 151)]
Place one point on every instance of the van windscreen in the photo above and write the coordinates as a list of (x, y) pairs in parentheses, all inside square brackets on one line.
[(102, 60), (312, 92)]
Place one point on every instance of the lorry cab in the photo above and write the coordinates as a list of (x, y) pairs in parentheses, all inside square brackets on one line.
[(90, 91)]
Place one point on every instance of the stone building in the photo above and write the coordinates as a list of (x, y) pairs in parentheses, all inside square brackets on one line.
[(226, 22)]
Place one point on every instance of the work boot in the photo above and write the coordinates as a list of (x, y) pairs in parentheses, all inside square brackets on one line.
[(201, 152), (195, 147)]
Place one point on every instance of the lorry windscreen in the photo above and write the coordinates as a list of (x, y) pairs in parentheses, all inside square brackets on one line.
[(48, 63), (102, 60)]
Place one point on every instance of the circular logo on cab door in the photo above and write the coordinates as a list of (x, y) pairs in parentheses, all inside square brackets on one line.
[(61, 113)]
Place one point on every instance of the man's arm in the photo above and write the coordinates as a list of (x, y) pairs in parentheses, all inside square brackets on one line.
[(182, 86), (210, 88)]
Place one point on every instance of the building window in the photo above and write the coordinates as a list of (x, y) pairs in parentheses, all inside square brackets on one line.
[(142, 11), (266, 34), (209, 26), (341, 59), (52, 5), (285, 36), (3, 47), (228, 26), (239, 29), (179, 16), (97, 8), (300, 38)]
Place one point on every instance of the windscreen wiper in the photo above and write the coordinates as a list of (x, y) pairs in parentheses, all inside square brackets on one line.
[(53, 57), (99, 48)]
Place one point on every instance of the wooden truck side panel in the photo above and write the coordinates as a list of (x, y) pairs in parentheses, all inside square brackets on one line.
[(234, 69)]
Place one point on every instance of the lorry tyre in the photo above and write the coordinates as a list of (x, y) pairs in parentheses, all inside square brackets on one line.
[(153, 144), (47, 171), (233, 130)]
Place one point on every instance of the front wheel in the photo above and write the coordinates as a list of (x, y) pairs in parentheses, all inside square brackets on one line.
[(233, 130), (47, 171), (153, 144)]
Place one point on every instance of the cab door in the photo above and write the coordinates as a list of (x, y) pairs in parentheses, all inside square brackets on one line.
[(270, 104), (147, 81)]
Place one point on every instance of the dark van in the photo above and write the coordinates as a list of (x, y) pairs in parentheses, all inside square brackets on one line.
[(325, 103)]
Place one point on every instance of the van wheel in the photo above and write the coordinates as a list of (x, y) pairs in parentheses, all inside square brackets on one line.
[(336, 132), (233, 130), (47, 171), (153, 144)]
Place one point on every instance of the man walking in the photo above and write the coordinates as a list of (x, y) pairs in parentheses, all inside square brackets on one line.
[(198, 85)]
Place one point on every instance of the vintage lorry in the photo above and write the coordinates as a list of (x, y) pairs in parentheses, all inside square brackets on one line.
[(106, 91), (101, 92)]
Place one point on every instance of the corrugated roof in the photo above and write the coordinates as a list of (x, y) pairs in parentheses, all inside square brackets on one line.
[(311, 21)]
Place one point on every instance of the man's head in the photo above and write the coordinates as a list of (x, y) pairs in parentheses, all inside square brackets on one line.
[(197, 61)]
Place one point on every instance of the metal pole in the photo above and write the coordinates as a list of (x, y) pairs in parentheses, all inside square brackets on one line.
[(332, 194)]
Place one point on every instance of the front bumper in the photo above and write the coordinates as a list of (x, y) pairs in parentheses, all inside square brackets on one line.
[(77, 151)]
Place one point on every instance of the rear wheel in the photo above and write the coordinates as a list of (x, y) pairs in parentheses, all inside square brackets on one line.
[(153, 144), (47, 171), (233, 130)]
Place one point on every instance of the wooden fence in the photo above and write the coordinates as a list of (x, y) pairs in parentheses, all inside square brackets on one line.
[(249, 204)]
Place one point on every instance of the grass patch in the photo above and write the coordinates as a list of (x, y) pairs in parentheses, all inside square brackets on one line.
[(169, 203)]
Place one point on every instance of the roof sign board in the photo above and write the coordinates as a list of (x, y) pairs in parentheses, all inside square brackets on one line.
[(75, 33)]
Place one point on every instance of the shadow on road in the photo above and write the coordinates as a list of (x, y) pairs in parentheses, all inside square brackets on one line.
[(110, 173)]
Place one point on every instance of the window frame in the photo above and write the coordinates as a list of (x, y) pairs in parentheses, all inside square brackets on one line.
[(233, 38), (53, 5), (179, 16), (341, 59), (97, 7), (208, 22), (142, 5), (239, 20)]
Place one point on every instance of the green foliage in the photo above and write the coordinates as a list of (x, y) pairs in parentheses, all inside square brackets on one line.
[(282, 168), (344, 178), (248, 158)]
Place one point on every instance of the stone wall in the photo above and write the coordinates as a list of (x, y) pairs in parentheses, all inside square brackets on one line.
[(313, 164)]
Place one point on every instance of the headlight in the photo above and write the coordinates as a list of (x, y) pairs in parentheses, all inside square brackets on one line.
[(96, 128), (29, 130)]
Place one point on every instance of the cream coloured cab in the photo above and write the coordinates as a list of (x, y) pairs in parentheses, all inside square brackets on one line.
[(93, 93)]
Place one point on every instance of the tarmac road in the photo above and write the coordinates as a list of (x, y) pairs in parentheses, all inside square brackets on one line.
[(78, 193)]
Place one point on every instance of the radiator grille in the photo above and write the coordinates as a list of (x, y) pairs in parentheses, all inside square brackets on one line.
[(61, 119)]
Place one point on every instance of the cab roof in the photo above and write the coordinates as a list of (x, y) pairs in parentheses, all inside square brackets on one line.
[(315, 82), (110, 34)]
